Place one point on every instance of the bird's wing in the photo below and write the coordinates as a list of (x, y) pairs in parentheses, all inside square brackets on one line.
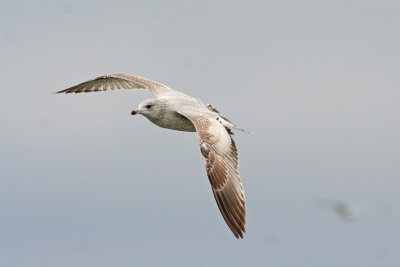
[(118, 81), (221, 158)]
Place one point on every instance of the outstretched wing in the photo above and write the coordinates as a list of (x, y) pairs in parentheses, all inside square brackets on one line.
[(118, 81), (221, 156)]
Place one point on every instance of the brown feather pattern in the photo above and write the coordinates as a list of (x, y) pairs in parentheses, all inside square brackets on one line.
[(221, 159)]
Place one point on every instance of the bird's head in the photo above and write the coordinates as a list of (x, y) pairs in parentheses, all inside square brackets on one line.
[(149, 108)]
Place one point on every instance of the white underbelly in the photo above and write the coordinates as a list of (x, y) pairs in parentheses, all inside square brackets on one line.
[(174, 121)]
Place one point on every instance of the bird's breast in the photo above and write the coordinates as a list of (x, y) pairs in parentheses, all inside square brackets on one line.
[(173, 120)]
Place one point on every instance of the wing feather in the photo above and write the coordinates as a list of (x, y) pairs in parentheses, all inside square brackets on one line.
[(119, 81), (221, 158)]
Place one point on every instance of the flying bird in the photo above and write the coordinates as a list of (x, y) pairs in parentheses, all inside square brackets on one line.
[(174, 110), (344, 210)]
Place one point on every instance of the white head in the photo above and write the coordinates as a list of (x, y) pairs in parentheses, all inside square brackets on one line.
[(149, 108)]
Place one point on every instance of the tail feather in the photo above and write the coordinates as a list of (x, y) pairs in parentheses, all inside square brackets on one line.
[(229, 124)]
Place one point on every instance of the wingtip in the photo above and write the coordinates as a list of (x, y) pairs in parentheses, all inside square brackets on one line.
[(239, 235), (248, 132), (65, 91)]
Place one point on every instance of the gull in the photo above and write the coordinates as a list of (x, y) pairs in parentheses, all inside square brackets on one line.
[(344, 210), (174, 110)]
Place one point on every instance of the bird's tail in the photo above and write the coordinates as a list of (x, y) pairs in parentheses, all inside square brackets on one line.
[(228, 124)]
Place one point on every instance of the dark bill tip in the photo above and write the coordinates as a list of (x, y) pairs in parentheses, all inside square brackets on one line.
[(133, 112)]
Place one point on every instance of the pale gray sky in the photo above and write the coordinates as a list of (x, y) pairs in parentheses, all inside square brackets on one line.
[(83, 183)]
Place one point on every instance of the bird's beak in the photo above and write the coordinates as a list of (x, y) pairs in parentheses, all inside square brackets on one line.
[(134, 112)]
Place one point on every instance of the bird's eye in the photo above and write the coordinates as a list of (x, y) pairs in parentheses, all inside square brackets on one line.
[(148, 106)]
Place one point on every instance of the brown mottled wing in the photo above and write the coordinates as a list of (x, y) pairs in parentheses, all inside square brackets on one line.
[(221, 157), (118, 81)]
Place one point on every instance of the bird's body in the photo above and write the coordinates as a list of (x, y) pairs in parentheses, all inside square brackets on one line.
[(173, 120), (177, 111), (165, 113)]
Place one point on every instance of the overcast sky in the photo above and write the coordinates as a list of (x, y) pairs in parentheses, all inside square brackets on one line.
[(84, 183)]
